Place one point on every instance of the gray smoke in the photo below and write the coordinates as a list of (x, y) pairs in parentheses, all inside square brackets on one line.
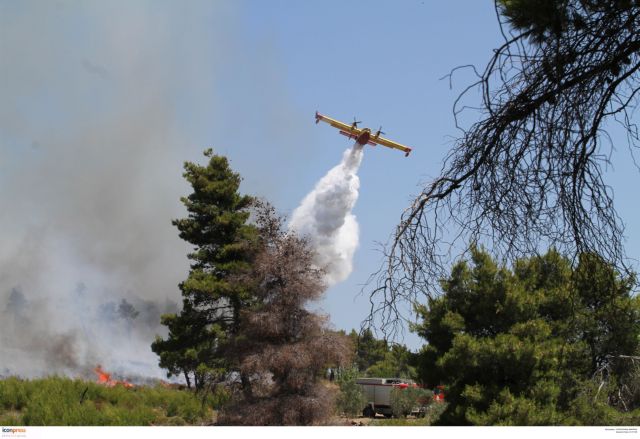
[(325, 216), (91, 149)]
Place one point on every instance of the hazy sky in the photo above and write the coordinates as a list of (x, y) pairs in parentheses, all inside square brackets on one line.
[(102, 101)]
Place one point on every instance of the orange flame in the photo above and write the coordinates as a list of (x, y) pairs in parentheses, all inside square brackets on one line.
[(105, 378)]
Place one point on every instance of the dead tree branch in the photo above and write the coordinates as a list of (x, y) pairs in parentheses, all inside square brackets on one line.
[(529, 174)]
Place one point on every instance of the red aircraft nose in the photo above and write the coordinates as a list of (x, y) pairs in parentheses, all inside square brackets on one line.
[(363, 138)]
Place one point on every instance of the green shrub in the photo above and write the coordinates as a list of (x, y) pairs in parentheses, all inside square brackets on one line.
[(404, 400), (13, 393), (351, 399), (190, 409), (62, 401), (218, 398)]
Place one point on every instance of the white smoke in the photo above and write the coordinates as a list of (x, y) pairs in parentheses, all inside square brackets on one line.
[(325, 217)]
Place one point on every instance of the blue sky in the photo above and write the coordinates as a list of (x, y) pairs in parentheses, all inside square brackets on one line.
[(103, 101), (379, 61)]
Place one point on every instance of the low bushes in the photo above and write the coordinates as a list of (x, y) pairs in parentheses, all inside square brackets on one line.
[(62, 401), (404, 400), (351, 399)]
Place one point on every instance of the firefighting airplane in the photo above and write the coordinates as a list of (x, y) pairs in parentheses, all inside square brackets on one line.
[(362, 135)]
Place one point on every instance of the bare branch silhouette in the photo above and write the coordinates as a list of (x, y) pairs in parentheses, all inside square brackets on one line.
[(529, 174)]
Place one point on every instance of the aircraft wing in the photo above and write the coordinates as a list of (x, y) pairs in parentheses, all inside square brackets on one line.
[(339, 125), (390, 144)]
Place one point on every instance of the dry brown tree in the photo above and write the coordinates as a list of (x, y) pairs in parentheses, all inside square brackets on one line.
[(282, 348), (529, 174)]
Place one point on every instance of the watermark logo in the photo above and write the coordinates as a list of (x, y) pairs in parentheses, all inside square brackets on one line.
[(14, 432)]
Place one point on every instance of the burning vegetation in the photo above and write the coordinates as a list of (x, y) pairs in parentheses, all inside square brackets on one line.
[(105, 379)]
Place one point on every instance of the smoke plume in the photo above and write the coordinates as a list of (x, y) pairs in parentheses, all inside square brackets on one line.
[(91, 148), (325, 217)]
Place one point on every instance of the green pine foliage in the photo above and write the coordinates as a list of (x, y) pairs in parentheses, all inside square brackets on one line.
[(548, 19), (377, 358), (527, 346), (396, 363), (66, 402), (213, 296), (541, 17), (368, 349)]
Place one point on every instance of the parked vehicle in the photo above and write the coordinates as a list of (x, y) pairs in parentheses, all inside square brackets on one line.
[(378, 394)]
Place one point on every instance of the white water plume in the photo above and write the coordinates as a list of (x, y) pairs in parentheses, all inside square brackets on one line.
[(325, 217)]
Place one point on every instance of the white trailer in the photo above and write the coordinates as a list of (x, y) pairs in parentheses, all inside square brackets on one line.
[(378, 394)]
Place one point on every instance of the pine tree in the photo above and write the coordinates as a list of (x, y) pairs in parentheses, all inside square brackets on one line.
[(213, 299), (544, 343)]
